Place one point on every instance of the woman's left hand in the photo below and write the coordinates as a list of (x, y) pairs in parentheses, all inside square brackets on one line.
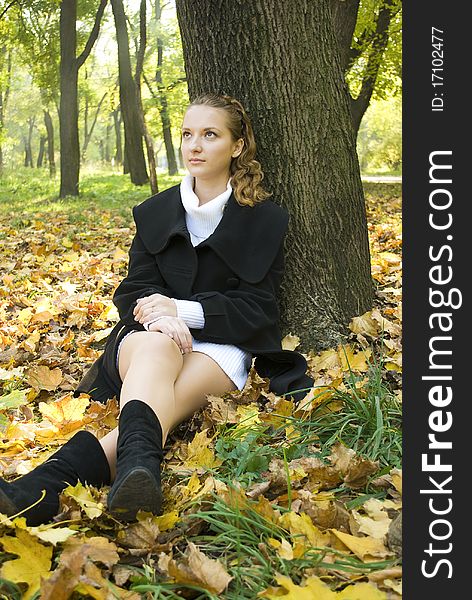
[(151, 307)]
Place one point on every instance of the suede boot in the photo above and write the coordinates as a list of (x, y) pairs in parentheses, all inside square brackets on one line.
[(138, 468), (81, 459)]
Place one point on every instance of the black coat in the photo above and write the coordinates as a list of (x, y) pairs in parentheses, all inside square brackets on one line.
[(235, 274)]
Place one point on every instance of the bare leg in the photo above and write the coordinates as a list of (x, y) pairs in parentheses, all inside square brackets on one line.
[(174, 386)]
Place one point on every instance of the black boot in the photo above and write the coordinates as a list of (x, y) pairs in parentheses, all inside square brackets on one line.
[(138, 468), (81, 459)]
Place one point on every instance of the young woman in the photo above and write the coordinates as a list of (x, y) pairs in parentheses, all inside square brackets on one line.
[(199, 302)]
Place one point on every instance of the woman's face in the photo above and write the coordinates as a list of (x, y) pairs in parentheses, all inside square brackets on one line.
[(207, 143)]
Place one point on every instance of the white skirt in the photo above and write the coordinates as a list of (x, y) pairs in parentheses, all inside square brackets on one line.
[(235, 362)]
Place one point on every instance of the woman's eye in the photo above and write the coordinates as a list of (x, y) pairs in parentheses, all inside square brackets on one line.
[(211, 133), (185, 134)]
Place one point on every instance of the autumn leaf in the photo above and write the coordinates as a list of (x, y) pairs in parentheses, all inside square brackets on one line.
[(32, 564), (84, 499), (302, 525), (68, 409), (367, 549), (42, 377), (197, 569), (290, 342), (315, 589), (199, 454)]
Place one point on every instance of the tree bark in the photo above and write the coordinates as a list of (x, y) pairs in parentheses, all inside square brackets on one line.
[(281, 60), (164, 109), (68, 107), (119, 145), (345, 19), (134, 153), (88, 132), (137, 77), (42, 146), (50, 134)]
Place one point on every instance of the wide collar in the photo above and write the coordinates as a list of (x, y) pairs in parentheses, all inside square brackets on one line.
[(247, 238)]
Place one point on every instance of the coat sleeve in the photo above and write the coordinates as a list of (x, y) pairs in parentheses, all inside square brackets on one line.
[(143, 279), (237, 315)]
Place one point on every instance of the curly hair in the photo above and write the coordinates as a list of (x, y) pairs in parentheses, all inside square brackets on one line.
[(246, 171)]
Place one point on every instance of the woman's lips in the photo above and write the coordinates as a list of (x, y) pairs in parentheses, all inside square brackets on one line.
[(196, 160)]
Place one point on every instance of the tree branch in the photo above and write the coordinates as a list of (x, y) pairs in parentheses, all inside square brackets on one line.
[(93, 34), (359, 105)]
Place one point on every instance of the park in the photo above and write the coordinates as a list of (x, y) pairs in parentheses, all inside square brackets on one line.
[(265, 495)]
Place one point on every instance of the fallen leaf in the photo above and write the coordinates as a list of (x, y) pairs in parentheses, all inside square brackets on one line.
[(32, 564), (42, 377), (366, 549), (197, 569)]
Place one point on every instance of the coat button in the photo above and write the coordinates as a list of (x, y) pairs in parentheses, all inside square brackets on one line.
[(232, 282)]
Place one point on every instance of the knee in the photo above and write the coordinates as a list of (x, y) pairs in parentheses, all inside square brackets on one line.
[(157, 347)]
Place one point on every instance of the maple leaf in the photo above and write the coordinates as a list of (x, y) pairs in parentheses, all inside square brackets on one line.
[(32, 564), (42, 377), (199, 454), (84, 499), (314, 588)]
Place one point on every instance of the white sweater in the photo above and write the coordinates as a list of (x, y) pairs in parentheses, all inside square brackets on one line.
[(201, 222)]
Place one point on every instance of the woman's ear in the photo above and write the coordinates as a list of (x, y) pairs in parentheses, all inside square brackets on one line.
[(238, 148)]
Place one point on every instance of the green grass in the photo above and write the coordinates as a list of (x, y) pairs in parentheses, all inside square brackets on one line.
[(29, 192), (369, 421)]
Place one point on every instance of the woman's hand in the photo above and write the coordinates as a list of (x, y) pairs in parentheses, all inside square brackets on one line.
[(174, 328), (151, 307)]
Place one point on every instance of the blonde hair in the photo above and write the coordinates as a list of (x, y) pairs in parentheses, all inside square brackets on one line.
[(246, 171)]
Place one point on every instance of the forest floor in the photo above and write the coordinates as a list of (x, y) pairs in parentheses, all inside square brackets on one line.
[(263, 498)]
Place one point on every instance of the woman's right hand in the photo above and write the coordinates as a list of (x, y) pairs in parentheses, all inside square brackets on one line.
[(175, 328)]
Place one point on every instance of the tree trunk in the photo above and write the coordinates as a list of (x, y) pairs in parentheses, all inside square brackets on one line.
[(107, 143), (281, 60), (88, 132), (164, 110), (345, 19), (42, 145), (68, 105), (5, 85), (360, 104), (119, 145), (68, 108), (129, 101), (50, 134), (137, 78)]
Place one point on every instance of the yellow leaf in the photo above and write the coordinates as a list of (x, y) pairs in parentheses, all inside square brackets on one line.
[(33, 562), (315, 589), (302, 525), (199, 454), (366, 549), (248, 415), (52, 535), (65, 410), (84, 499), (356, 361), (364, 325), (119, 255), (42, 377), (167, 520), (284, 548), (290, 342)]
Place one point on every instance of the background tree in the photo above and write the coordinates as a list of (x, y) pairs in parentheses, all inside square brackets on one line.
[(68, 108), (129, 101), (282, 62), (369, 40)]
